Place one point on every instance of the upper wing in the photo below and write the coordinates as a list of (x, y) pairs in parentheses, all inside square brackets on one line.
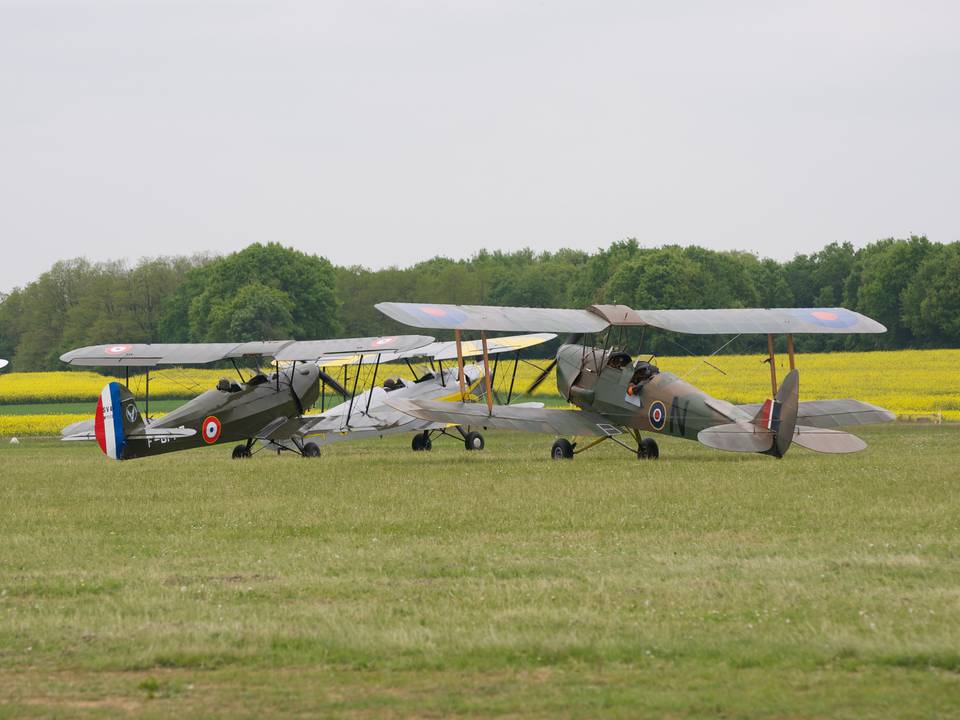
[(597, 317), (757, 320), (441, 350), (309, 350), (833, 413), (530, 419), (152, 354), (490, 317), (472, 348)]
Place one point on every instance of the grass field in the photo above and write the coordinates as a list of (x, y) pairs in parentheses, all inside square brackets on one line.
[(375, 582)]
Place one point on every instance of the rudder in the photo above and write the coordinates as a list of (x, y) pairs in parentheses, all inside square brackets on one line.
[(116, 418)]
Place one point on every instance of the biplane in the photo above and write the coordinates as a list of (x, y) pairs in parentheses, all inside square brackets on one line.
[(621, 396), (270, 409), (369, 415)]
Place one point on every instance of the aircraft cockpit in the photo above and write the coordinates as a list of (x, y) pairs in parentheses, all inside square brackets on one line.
[(227, 385), (643, 372), (391, 384), (618, 360), (258, 379)]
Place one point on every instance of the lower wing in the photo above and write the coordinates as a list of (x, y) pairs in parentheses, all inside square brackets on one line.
[(509, 417)]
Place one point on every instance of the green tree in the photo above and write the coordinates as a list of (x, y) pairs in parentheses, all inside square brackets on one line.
[(931, 301), (254, 312), (195, 312)]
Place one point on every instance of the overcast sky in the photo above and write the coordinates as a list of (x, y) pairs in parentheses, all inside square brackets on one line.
[(386, 133)]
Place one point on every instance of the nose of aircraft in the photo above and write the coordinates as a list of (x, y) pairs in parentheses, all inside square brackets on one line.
[(568, 367), (305, 383)]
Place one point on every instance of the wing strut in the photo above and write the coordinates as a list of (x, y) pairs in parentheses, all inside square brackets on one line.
[(372, 383), (790, 350), (486, 372), (516, 362), (463, 390), (773, 364)]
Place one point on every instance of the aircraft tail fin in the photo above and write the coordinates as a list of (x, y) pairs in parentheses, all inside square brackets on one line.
[(117, 418), (770, 431), (779, 415)]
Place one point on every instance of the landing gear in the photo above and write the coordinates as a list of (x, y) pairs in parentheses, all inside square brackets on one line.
[(562, 450), (241, 452), (310, 450), (648, 449), (473, 441), (421, 442)]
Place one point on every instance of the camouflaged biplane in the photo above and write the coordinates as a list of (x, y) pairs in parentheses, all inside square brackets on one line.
[(621, 398), (271, 409)]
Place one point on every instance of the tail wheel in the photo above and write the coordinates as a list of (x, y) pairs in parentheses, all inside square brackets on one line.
[(240, 452), (473, 441), (311, 450), (649, 450), (562, 450)]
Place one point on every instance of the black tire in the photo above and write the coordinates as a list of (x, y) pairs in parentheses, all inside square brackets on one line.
[(240, 452), (562, 450), (421, 441), (473, 441), (311, 450), (649, 450)]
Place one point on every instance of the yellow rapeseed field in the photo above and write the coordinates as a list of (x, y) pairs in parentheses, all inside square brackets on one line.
[(907, 382)]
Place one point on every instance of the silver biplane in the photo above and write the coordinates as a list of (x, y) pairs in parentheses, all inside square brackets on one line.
[(621, 396)]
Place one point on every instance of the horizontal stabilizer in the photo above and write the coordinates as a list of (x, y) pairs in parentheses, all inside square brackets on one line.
[(827, 441), (833, 413), (144, 434), (738, 436)]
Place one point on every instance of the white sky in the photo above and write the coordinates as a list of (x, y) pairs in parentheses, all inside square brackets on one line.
[(386, 133)]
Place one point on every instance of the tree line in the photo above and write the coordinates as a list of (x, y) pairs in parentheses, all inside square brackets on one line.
[(267, 291)]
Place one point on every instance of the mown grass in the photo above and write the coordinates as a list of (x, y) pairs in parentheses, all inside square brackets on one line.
[(377, 582)]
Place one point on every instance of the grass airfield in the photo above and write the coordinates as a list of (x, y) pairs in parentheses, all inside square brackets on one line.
[(375, 582)]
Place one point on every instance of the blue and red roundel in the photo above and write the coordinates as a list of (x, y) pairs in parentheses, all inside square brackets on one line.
[(657, 414), (210, 429), (447, 313), (826, 317)]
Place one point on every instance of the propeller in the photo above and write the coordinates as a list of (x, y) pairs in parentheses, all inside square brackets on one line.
[(337, 387), (541, 377), (571, 340)]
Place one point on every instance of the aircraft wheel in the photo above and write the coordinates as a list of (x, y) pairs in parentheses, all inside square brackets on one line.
[(421, 441), (649, 450), (311, 450), (240, 452), (473, 441), (562, 450)]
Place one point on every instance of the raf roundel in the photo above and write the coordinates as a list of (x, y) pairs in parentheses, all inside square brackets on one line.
[(211, 429), (657, 415), (380, 342), (117, 349)]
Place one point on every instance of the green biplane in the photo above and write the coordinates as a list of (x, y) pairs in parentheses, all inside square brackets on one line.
[(621, 398)]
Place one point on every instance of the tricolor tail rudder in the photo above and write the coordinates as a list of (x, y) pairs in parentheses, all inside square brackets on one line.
[(779, 415), (117, 416)]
